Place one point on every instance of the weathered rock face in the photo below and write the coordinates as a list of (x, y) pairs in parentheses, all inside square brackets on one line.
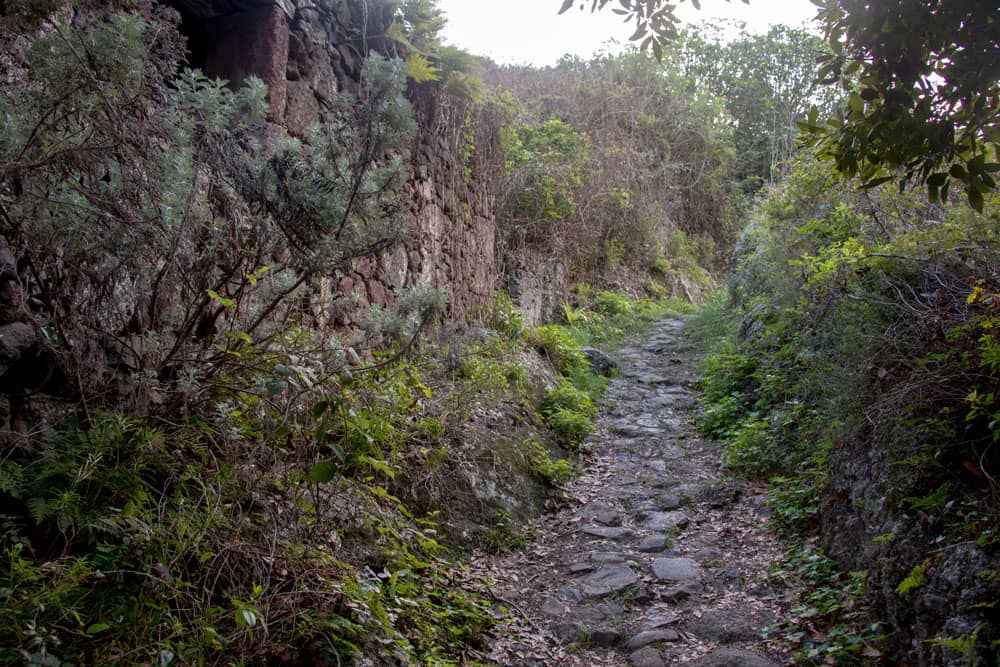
[(537, 282), (867, 526)]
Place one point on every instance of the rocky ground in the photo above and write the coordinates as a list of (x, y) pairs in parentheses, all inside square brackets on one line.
[(658, 556)]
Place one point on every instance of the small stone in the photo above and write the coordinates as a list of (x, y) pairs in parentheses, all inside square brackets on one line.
[(646, 657), (608, 580), (610, 609), (627, 430), (676, 569), (665, 520), (606, 637), (568, 632), (606, 532), (681, 592), (721, 494), (589, 616), (653, 544), (590, 510), (580, 568), (16, 339), (648, 421), (708, 554), (648, 637), (668, 502), (571, 594)]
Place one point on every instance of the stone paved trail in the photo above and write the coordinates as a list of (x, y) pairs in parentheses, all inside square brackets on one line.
[(659, 558)]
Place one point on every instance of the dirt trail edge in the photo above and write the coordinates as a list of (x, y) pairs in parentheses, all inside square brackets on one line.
[(659, 557)]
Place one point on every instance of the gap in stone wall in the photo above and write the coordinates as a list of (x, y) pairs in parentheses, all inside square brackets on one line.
[(195, 33)]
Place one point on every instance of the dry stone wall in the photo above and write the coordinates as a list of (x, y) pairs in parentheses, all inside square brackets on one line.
[(307, 52)]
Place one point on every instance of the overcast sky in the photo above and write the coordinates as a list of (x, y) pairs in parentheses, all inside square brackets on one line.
[(532, 31)]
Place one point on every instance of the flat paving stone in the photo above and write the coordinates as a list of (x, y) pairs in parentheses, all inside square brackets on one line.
[(657, 620), (608, 556), (607, 532), (676, 569), (553, 607), (653, 544), (647, 637), (646, 657), (664, 520), (668, 502), (729, 626), (608, 580)]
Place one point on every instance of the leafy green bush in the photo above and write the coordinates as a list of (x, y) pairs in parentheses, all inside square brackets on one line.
[(558, 345), (568, 396), (504, 316), (556, 472), (753, 450), (545, 161), (864, 325), (727, 380), (570, 428), (794, 504), (833, 600), (570, 412), (613, 304)]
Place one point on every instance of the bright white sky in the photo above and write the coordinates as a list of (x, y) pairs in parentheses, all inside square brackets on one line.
[(532, 31)]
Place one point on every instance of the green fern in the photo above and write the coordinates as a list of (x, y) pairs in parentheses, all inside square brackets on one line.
[(915, 578), (420, 69)]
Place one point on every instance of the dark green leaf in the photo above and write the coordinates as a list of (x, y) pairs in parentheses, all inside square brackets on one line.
[(975, 199), (875, 182), (323, 472), (320, 409)]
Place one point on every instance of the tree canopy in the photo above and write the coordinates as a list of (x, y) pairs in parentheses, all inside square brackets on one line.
[(766, 83), (655, 20), (922, 80)]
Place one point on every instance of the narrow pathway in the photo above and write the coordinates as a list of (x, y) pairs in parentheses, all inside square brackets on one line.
[(659, 558)]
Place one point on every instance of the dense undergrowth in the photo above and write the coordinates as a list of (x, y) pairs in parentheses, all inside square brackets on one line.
[(854, 363), (316, 532), (596, 154)]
